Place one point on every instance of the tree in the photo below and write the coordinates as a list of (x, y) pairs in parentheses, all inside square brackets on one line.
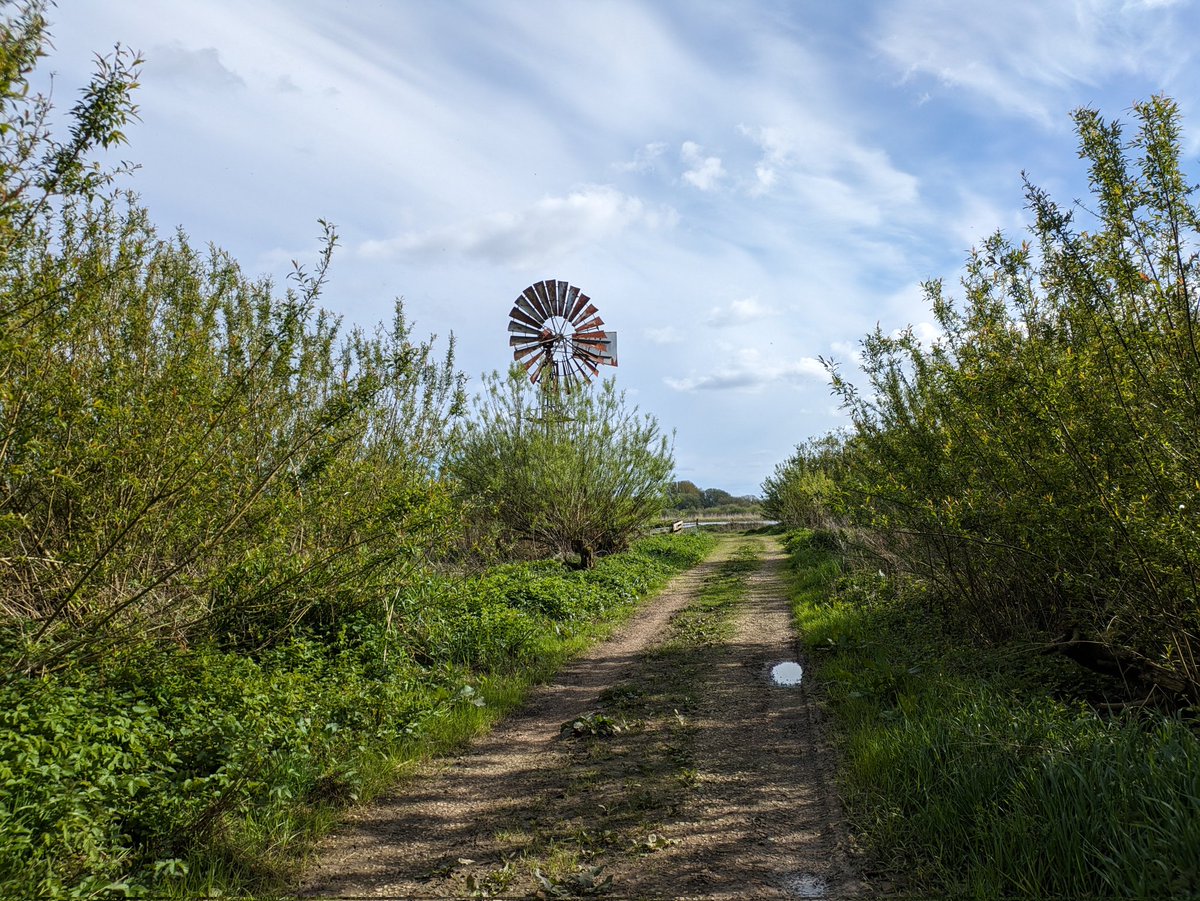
[(183, 448), (572, 471), (802, 492), (1039, 462), (686, 495)]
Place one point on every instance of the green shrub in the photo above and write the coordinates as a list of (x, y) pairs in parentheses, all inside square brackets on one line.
[(158, 762), (974, 770)]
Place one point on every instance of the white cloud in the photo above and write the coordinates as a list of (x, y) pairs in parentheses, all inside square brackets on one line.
[(739, 312), (543, 232), (1023, 57), (668, 334), (192, 69), (750, 371), (644, 158), (704, 171), (830, 171)]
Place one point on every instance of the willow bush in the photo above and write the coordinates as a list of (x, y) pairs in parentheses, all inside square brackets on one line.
[(185, 451), (570, 471), (1040, 462)]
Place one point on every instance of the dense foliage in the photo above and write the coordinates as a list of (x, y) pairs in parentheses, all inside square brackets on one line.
[(202, 768), (572, 471), (685, 495), (186, 452), (975, 771), (1038, 463)]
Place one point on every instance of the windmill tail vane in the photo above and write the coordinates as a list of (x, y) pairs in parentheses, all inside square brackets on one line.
[(557, 334)]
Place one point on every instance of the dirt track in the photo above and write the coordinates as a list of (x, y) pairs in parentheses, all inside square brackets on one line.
[(692, 776)]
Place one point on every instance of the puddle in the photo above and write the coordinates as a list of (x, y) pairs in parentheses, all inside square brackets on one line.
[(807, 885), (788, 673)]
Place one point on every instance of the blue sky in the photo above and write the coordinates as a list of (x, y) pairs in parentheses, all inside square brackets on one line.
[(741, 187)]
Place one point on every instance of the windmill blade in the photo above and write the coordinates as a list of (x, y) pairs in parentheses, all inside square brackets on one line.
[(569, 301), (593, 337), (521, 328), (560, 307), (539, 368), (590, 360), (591, 325), (537, 349), (540, 291), (525, 340), (552, 296), (524, 312), (584, 359), (537, 310), (577, 307), (583, 310)]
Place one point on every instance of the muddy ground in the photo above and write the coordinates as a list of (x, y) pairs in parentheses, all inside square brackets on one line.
[(665, 763)]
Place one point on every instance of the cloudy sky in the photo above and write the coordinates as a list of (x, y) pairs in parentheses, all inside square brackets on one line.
[(741, 187)]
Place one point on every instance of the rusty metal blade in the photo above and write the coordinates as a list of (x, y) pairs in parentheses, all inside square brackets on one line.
[(560, 307), (519, 324), (524, 305), (551, 296), (598, 338), (522, 340), (540, 290), (582, 308), (580, 315), (528, 318), (531, 298), (526, 351), (569, 301), (590, 326), (586, 353)]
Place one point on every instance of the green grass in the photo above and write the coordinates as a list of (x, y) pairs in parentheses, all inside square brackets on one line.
[(976, 771), (181, 771), (708, 621)]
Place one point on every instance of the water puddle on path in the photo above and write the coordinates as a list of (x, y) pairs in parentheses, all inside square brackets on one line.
[(806, 885), (787, 673)]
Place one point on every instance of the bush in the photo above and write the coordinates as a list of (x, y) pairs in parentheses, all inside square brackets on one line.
[(159, 761), (186, 451), (1038, 463), (572, 470)]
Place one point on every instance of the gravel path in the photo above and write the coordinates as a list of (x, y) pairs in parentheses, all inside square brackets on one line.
[(732, 797)]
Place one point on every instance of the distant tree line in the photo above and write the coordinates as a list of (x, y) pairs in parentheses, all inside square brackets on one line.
[(686, 495)]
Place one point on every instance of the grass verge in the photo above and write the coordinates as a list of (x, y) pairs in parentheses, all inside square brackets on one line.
[(976, 771), (190, 772)]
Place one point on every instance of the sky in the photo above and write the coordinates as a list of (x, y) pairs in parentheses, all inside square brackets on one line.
[(743, 188)]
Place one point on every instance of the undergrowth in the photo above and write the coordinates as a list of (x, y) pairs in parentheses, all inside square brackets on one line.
[(185, 770), (980, 770)]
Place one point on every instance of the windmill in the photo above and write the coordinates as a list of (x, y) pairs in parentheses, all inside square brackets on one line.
[(558, 336)]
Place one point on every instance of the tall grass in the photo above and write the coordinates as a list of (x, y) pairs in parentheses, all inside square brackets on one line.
[(974, 770)]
